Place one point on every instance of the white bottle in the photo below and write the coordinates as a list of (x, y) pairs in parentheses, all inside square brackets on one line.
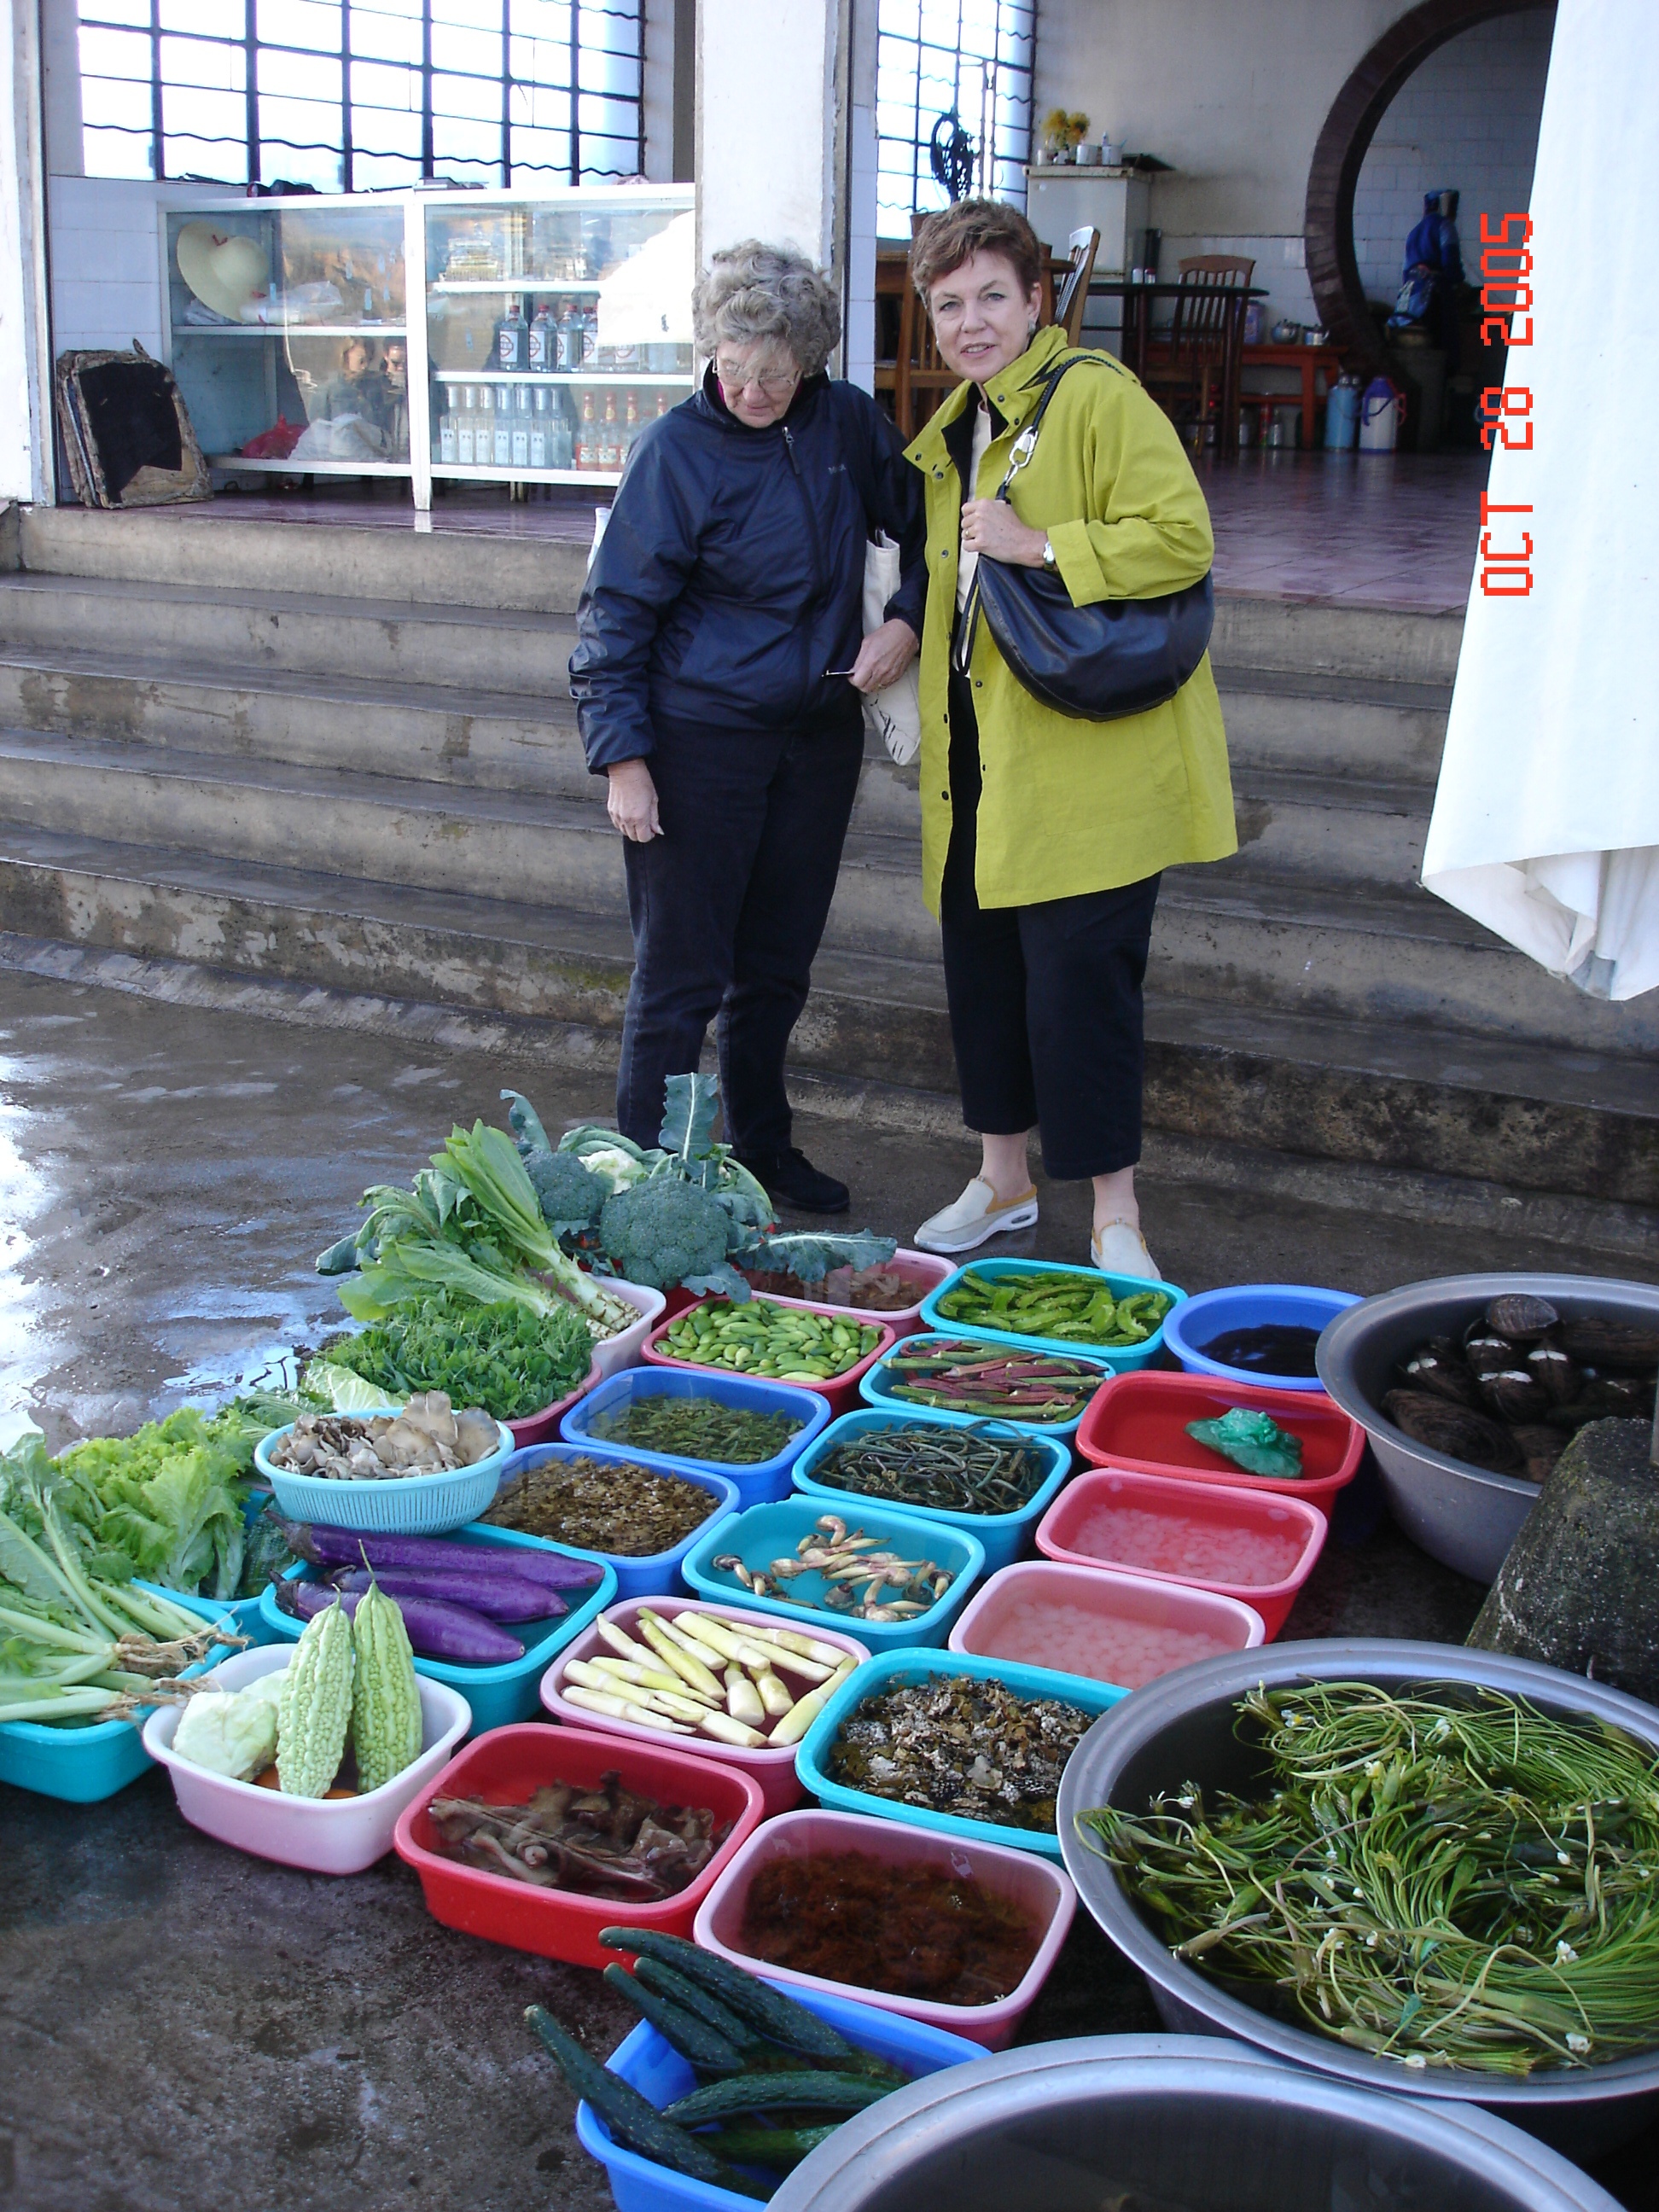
[(520, 426), (503, 427), (465, 426), (538, 427), (446, 426)]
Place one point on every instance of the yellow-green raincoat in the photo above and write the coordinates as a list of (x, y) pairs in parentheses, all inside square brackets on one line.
[(1071, 806)]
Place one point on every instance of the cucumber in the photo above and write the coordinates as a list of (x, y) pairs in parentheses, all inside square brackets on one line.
[(773, 2092), (679, 1989), (633, 2119), (777, 2016), (700, 2045), (782, 2148)]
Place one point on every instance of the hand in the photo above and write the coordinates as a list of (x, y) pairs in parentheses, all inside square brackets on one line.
[(631, 802), (884, 656), (990, 525)]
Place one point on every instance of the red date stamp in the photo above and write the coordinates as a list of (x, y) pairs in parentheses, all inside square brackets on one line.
[(1505, 409)]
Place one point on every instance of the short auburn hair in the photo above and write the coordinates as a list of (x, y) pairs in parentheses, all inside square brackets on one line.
[(943, 241)]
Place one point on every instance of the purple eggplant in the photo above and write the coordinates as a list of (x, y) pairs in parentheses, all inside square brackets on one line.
[(436, 1631), (325, 1547), (497, 1596)]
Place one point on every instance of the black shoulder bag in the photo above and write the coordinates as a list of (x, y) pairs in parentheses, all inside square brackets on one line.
[(1098, 663)]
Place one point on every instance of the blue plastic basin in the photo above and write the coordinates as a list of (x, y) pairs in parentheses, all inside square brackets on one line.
[(900, 1667), (83, 1765), (656, 1574), (1004, 1537), (766, 1533), (757, 1485), (1119, 1360), (1250, 1305), (649, 2063), (509, 1692), (876, 1387)]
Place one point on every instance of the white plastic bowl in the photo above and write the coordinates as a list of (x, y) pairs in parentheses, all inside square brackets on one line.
[(612, 1353), (341, 1835)]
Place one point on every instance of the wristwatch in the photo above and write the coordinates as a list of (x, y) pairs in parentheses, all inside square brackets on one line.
[(1048, 560)]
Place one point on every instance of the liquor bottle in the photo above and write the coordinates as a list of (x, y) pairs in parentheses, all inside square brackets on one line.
[(538, 458), (543, 339), (512, 337), (484, 425), (466, 426), (567, 354), (590, 322), (521, 426), (560, 433), (662, 404), (630, 429), (448, 426), (587, 436), (610, 435), (503, 426)]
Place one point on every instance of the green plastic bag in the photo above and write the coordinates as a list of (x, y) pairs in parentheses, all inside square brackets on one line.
[(1253, 1440)]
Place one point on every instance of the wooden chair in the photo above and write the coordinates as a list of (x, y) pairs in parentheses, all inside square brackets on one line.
[(1073, 295), (1199, 359)]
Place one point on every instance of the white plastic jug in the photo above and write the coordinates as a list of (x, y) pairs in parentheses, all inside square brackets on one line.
[(1382, 413)]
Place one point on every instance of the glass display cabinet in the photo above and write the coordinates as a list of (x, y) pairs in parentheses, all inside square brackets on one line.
[(286, 331), (545, 329)]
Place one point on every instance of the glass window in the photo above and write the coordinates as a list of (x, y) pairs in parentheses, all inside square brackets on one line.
[(935, 57), (472, 87)]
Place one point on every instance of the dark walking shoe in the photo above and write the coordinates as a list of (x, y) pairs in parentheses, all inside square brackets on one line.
[(791, 1179)]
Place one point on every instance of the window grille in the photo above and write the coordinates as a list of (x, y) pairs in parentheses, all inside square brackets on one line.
[(932, 57)]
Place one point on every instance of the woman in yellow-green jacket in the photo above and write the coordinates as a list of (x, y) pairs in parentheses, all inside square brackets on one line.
[(1043, 836)]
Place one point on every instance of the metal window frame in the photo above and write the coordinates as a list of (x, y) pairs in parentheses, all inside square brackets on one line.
[(575, 171), (916, 144)]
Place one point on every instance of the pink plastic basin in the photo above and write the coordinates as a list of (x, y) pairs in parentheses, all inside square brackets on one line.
[(623, 1350), (1213, 1514), (1036, 1887), (926, 1270), (773, 1772), (1161, 1625), (842, 1390)]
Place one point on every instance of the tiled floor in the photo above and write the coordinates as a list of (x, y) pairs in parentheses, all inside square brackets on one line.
[(1392, 530)]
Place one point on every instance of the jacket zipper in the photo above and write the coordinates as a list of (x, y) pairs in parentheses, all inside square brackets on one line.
[(817, 542)]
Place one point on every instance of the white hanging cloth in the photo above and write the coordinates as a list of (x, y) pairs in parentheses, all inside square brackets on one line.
[(1546, 824)]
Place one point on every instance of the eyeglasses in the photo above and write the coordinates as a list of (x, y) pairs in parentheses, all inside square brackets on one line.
[(773, 387)]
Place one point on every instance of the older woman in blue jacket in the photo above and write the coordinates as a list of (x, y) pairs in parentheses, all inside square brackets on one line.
[(719, 668)]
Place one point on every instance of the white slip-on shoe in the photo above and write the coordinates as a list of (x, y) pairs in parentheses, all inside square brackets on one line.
[(1120, 1250), (975, 1217)]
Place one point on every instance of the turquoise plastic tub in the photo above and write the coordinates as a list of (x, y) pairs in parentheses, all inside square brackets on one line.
[(390, 1505), (1250, 1305), (649, 2062), (83, 1765), (511, 1690), (766, 1533), (876, 1387), (765, 1482), (1004, 1537), (1138, 1355), (906, 1667), (658, 1573)]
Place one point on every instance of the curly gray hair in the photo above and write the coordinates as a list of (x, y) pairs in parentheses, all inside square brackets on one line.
[(753, 292)]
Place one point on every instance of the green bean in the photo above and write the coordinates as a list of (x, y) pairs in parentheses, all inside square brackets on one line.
[(694, 1428), (781, 1344), (953, 1470), (1079, 1308)]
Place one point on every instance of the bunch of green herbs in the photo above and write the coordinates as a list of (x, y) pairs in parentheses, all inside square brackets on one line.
[(504, 1357)]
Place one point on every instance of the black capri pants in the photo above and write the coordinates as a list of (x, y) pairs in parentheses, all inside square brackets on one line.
[(1046, 1016)]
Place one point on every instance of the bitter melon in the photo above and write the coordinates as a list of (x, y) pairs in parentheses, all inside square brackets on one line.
[(386, 1699), (314, 1710)]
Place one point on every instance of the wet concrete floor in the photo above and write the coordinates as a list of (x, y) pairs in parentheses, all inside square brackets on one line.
[(179, 2023)]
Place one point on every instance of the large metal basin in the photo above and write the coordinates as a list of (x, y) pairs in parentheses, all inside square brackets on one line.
[(1179, 1729), (1189, 2122), (1459, 1515)]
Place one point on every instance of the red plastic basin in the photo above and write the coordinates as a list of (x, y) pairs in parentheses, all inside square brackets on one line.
[(504, 1768), (543, 1428), (842, 1390), (1217, 1511), (923, 1271), (1139, 1422), (997, 1624)]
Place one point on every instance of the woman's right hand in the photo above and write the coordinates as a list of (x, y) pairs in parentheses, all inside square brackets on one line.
[(631, 802)]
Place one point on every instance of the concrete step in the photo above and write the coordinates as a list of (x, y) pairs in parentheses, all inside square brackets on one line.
[(235, 627), (1302, 637), (390, 557), (1333, 725), (499, 740), (1335, 831), (1384, 1095)]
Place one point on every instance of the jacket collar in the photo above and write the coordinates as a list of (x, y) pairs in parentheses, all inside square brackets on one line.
[(1015, 393), (710, 405)]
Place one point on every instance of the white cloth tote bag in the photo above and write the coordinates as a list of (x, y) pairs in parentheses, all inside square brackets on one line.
[(893, 715)]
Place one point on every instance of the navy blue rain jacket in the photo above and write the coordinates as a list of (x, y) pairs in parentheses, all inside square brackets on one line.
[(731, 574)]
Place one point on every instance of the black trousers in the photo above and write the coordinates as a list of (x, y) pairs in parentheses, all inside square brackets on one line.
[(728, 906), (1046, 1010)]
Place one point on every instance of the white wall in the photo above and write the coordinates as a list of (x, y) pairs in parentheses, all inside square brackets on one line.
[(1468, 118), (25, 370), (106, 260), (1233, 93)]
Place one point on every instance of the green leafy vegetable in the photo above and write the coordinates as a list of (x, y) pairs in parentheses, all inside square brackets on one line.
[(504, 1358), (169, 1498), (810, 1254)]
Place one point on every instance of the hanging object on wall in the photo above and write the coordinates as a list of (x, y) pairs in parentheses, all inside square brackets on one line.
[(952, 154), (127, 432)]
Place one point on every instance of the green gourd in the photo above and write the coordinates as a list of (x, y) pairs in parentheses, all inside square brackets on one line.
[(386, 1699), (314, 1710)]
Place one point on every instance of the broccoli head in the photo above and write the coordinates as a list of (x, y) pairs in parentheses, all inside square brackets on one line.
[(570, 1198), (664, 1232)]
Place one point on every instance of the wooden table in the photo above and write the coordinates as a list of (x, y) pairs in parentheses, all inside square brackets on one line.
[(1137, 299), (1308, 361)]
